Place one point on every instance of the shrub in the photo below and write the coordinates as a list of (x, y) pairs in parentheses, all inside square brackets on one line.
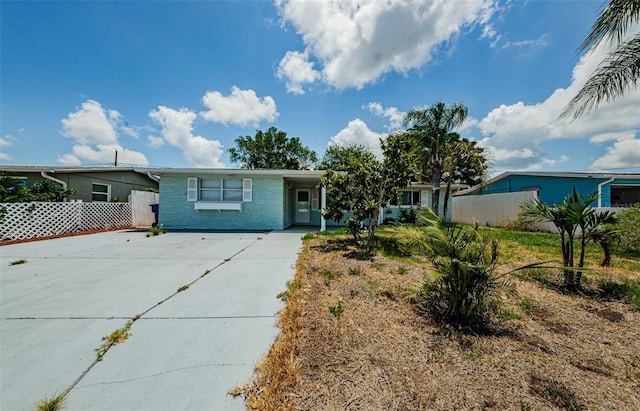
[(628, 232)]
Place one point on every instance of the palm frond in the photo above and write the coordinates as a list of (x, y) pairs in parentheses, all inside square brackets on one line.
[(613, 23), (619, 72)]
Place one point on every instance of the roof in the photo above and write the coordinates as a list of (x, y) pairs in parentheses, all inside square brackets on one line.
[(69, 169), (237, 171), (547, 174)]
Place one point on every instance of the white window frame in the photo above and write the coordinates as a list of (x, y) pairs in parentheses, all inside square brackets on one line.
[(412, 197), (315, 199), (108, 193), (194, 194)]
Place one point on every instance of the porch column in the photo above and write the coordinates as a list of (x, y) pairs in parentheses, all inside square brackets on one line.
[(323, 204)]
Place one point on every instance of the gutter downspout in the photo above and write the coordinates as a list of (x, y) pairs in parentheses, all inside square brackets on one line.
[(151, 176), (48, 177), (600, 191)]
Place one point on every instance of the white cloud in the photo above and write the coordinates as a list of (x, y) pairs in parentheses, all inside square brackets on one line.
[(296, 70), (392, 114), (241, 107), (177, 130), (91, 124), (7, 140), (95, 131), (155, 142), (543, 41), (521, 128), (355, 43), (358, 133), (622, 154)]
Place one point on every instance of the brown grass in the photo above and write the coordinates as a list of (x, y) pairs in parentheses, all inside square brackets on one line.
[(565, 352)]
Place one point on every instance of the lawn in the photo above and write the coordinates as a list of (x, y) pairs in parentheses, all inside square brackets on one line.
[(352, 340)]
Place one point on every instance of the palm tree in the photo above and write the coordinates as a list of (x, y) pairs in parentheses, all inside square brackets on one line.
[(620, 70), (430, 128), (574, 216)]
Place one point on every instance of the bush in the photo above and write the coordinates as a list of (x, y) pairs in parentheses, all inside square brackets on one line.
[(628, 232)]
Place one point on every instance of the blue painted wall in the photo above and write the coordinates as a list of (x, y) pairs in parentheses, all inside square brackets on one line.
[(553, 189), (265, 212)]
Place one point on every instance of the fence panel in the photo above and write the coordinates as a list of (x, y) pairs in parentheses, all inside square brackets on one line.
[(490, 209), (19, 221), (141, 214)]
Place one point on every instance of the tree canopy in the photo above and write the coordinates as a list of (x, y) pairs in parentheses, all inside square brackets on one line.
[(360, 184), (272, 149), (13, 190)]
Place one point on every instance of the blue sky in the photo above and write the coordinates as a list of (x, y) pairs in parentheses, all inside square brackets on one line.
[(173, 84)]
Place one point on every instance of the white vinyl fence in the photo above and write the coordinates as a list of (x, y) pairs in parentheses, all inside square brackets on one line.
[(490, 209), (19, 221), (141, 214)]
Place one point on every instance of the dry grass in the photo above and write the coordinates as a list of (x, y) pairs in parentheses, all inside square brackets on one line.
[(561, 352)]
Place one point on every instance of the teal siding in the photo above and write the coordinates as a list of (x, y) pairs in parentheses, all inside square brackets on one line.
[(552, 190), (265, 212)]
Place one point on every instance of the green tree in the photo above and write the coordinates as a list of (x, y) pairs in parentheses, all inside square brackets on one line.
[(13, 190), (272, 149), (429, 128), (573, 216), (620, 69), (464, 163), (359, 184)]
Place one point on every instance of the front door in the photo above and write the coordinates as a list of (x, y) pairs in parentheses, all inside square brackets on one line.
[(303, 207)]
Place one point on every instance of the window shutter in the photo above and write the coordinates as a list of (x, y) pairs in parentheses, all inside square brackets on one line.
[(247, 190), (192, 189), (315, 200)]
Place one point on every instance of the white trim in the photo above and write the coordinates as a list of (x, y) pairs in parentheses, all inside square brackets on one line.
[(323, 205), (108, 193), (247, 190), (600, 191), (217, 205), (192, 189), (315, 201)]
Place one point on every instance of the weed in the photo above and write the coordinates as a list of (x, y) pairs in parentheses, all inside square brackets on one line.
[(156, 231), (336, 310), (525, 406), (377, 266), (402, 270), (118, 336), (183, 288), (52, 403), (17, 262), (284, 295), (507, 314), (308, 236), (526, 305), (329, 275), (354, 293), (354, 271), (474, 353)]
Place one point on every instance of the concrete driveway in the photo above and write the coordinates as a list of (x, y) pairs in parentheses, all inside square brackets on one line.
[(186, 350)]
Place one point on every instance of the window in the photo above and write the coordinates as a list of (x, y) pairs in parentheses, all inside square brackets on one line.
[(100, 193), (219, 190), (408, 198)]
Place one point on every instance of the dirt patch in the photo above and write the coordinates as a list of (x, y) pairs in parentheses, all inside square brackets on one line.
[(351, 340)]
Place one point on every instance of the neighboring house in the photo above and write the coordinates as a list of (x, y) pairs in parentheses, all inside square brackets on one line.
[(615, 190), (244, 199), (91, 184)]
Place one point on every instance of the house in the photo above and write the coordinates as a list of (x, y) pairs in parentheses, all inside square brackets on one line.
[(497, 201), (91, 184), (614, 190), (247, 199)]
